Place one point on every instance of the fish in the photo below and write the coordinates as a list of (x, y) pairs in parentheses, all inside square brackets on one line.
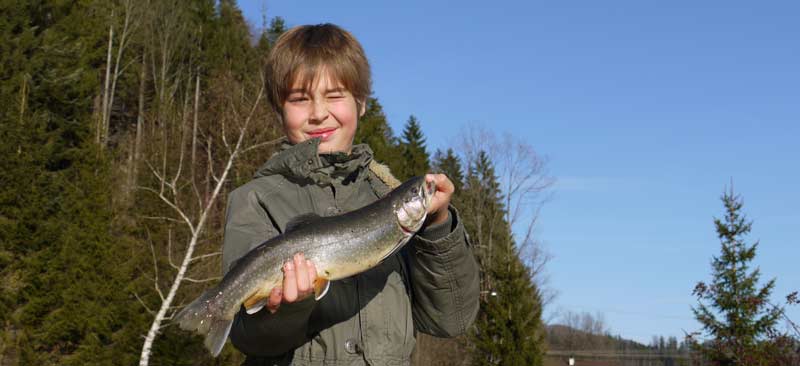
[(340, 246)]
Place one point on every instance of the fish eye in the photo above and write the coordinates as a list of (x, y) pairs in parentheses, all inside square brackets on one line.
[(414, 190)]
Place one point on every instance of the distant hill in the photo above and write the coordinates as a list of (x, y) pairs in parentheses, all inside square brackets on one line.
[(591, 349), (562, 337)]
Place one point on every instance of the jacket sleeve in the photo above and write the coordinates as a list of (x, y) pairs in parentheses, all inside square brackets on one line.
[(262, 333), (444, 279)]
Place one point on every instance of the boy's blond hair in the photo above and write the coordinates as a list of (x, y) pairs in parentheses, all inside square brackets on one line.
[(300, 54)]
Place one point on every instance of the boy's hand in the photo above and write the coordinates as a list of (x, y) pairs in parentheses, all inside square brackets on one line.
[(438, 212), (299, 275)]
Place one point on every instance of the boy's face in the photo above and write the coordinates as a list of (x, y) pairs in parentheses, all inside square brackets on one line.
[(327, 111)]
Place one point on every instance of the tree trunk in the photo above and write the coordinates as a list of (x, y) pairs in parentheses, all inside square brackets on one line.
[(101, 132), (137, 140)]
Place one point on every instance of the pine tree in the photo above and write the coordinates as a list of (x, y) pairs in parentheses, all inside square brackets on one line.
[(449, 164), (374, 130), (509, 329), (734, 309), (66, 302), (269, 35), (415, 158), (277, 26), (229, 44)]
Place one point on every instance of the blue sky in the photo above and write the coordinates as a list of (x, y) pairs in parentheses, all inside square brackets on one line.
[(645, 109)]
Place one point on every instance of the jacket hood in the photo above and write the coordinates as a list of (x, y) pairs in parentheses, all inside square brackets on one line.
[(303, 161)]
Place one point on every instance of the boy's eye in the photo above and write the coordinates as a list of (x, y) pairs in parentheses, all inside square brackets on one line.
[(298, 99)]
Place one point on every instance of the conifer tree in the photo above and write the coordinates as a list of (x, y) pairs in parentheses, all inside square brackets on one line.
[(277, 26), (449, 164), (509, 329), (67, 303), (229, 46), (415, 157), (270, 34), (374, 130), (733, 308)]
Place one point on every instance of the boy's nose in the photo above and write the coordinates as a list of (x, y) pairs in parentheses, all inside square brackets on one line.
[(319, 111)]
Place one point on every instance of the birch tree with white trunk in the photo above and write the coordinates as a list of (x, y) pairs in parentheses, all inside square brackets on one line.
[(168, 190)]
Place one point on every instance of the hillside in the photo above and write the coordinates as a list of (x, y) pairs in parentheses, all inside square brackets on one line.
[(562, 337)]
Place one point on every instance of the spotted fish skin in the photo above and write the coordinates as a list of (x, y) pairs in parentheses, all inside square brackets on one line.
[(340, 246)]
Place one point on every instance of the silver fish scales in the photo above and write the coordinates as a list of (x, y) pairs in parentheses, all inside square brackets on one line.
[(340, 246)]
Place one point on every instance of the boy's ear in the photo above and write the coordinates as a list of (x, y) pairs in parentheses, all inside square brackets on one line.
[(279, 116), (362, 107)]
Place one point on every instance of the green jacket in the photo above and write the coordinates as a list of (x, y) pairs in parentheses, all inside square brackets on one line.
[(430, 286)]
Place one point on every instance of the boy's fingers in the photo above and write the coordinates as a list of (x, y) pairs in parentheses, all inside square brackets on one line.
[(289, 282), (441, 198), (275, 298), (312, 272), (302, 275), (442, 182)]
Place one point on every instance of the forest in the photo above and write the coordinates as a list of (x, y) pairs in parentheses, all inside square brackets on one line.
[(125, 125)]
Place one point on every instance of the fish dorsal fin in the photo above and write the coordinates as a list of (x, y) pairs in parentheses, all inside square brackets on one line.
[(299, 221)]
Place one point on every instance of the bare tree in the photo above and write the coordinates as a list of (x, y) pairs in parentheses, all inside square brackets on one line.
[(527, 188), (584, 331), (168, 190), (129, 25), (136, 153), (526, 184)]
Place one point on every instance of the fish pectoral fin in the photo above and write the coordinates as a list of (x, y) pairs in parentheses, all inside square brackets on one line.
[(321, 287), (255, 303)]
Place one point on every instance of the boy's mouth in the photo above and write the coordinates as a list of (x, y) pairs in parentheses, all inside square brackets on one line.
[(322, 133)]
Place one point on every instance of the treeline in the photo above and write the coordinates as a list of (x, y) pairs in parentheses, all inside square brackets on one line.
[(669, 345), (586, 332), (124, 126)]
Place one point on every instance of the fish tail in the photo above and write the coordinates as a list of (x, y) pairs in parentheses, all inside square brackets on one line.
[(204, 317), (217, 335)]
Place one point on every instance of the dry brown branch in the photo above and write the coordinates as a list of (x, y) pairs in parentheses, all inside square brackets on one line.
[(155, 271), (172, 205), (169, 250), (159, 218), (143, 304), (263, 144), (204, 256), (189, 279), (196, 226)]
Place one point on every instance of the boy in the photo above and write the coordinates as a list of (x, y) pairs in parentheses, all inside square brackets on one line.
[(319, 83)]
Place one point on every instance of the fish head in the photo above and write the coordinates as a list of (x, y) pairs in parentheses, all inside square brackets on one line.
[(413, 207)]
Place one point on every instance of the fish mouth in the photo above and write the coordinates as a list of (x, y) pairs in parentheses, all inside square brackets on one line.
[(406, 230), (410, 216), (412, 212)]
